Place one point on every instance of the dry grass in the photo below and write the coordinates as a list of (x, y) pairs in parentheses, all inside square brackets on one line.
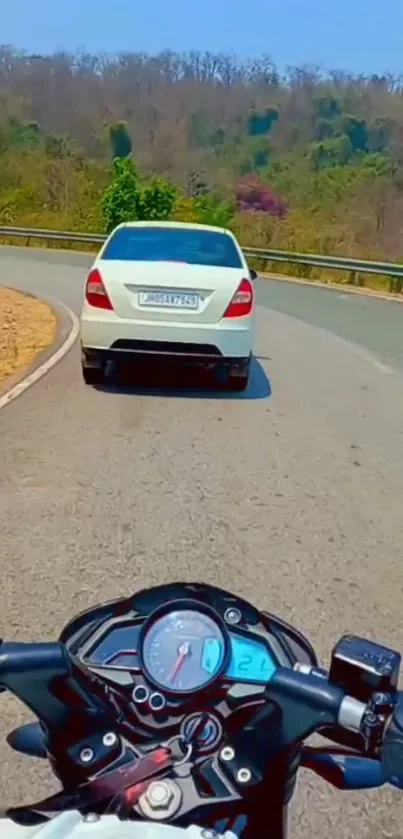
[(27, 327)]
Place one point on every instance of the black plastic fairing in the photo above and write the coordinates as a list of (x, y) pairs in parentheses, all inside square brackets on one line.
[(296, 643)]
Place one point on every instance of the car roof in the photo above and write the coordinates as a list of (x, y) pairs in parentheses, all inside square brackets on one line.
[(184, 225)]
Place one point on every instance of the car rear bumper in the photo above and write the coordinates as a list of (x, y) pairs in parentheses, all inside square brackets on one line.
[(206, 343), (97, 358)]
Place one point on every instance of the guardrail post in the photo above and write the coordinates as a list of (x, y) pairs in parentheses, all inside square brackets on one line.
[(395, 285), (352, 278)]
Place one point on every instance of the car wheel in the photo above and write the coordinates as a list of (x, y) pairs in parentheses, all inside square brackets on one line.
[(236, 384), (93, 375), (237, 378)]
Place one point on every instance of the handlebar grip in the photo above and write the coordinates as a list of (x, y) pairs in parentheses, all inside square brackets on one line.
[(49, 682), (28, 670), (392, 747)]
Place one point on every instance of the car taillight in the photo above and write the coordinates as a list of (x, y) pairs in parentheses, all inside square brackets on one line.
[(95, 292), (242, 301)]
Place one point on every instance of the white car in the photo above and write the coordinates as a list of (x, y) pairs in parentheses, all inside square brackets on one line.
[(171, 291)]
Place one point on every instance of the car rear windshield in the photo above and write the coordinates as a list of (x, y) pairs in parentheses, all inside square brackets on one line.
[(169, 244)]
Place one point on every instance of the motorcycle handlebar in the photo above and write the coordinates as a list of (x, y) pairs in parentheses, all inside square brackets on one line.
[(49, 682), (57, 688)]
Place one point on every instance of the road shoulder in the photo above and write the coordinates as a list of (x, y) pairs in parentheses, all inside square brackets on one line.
[(65, 332)]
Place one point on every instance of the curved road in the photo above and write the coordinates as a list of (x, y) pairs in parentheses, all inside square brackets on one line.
[(293, 497)]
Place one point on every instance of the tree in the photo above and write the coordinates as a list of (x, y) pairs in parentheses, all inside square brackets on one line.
[(259, 124), (252, 194), (327, 152), (125, 199), (120, 140), (156, 202), (357, 132), (333, 152), (212, 210), (119, 202), (324, 129)]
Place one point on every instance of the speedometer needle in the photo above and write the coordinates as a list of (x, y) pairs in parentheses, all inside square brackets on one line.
[(183, 651)]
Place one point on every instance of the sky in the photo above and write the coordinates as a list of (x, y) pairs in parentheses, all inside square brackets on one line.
[(354, 35)]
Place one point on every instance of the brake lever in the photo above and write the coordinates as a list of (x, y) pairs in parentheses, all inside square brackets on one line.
[(344, 769)]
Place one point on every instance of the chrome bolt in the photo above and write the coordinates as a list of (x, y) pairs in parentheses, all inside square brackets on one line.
[(90, 818), (86, 755), (227, 754), (109, 739), (161, 800), (140, 694), (157, 701), (243, 776), (232, 616), (159, 795), (302, 668)]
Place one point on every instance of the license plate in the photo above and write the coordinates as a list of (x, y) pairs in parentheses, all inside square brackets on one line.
[(168, 300)]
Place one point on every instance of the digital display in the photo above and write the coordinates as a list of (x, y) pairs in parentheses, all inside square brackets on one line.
[(250, 661), (212, 655)]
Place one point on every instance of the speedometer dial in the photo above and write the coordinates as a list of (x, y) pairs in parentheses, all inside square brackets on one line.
[(183, 651)]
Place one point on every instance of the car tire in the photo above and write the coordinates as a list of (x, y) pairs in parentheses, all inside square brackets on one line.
[(237, 384), (238, 379), (92, 375)]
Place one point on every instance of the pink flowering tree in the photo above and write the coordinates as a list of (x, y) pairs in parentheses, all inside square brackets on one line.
[(253, 195)]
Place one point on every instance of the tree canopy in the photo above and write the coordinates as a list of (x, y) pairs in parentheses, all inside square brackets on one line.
[(302, 160)]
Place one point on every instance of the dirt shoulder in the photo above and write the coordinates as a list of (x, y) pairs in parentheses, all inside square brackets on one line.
[(27, 328)]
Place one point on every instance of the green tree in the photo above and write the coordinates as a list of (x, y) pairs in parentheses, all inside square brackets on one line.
[(357, 132), (259, 124), (156, 202), (125, 199), (210, 209), (23, 135), (324, 129), (120, 140), (119, 202), (57, 146), (333, 152)]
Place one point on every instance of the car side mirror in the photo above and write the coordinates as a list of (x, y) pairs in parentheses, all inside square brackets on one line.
[(253, 274)]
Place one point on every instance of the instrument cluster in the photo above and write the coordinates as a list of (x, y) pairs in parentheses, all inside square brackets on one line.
[(182, 650), (178, 650)]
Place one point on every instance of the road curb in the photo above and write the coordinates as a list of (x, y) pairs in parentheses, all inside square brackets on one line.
[(52, 355)]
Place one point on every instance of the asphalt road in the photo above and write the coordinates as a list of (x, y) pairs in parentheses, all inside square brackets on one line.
[(291, 495)]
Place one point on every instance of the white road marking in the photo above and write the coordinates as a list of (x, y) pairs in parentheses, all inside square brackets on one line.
[(379, 365), (44, 368), (383, 368)]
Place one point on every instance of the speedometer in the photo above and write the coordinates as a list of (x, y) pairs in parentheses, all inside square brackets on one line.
[(184, 651)]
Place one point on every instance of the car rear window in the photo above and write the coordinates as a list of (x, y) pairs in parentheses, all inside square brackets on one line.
[(168, 244)]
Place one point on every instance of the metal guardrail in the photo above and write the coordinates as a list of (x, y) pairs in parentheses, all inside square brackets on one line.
[(51, 235), (339, 263)]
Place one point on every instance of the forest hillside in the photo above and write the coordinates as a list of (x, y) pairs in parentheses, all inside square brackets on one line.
[(309, 161)]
